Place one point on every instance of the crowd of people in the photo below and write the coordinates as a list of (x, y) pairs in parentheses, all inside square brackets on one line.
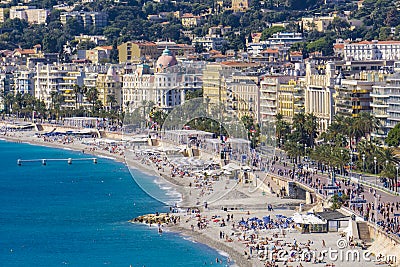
[(384, 213)]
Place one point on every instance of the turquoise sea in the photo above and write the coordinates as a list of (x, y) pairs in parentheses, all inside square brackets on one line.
[(77, 215)]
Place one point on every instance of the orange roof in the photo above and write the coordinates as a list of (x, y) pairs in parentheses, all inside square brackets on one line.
[(214, 52), (145, 43), (189, 15), (25, 51), (239, 64), (296, 53), (107, 47), (379, 42), (270, 51), (218, 56), (338, 46), (389, 42)]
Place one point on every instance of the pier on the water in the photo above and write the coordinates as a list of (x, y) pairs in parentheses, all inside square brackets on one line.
[(44, 161)]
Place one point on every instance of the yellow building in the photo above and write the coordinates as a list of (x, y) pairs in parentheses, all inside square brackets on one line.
[(290, 100), (240, 5), (2, 15), (319, 24), (244, 95), (137, 51), (214, 85), (189, 20), (109, 86)]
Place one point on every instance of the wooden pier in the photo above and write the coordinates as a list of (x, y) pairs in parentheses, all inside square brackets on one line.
[(44, 161)]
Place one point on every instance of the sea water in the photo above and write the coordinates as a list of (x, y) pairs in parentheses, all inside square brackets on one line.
[(77, 215)]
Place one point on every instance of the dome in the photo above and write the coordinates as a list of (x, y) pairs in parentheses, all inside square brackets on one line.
[(166, 60)]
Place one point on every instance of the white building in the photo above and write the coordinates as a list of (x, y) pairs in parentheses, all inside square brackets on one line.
[(284, 38), (24, 82), (29, 13), (374, 50), (209, 43), (47, 80), (319, 94), (165, 86)]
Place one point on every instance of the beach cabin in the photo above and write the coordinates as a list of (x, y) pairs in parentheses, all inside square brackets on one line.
[(186, 137), (335, 220), (309, 223)]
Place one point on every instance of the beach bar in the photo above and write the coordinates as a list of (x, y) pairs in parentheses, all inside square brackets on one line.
[(183, 137), (309, 223)]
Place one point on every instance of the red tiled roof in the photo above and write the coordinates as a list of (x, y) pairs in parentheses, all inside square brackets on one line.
[(106, 47), (296, 53), (270, 51), (25, 51)]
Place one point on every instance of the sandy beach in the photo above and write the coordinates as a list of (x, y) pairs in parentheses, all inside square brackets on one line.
[(221, 224)]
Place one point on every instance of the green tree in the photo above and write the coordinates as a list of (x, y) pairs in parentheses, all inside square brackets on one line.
[(393, 138), (92, 96), (267, 33), (339, 25), (282, 128)]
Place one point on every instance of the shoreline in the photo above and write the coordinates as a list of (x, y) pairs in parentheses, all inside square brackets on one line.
[(183, 232)]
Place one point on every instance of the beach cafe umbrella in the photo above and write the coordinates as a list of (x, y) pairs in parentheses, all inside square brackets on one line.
[(231, 167), (267, 219), (242, 223)]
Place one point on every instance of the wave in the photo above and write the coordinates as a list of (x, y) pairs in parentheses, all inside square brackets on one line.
[(106, 157), (189, 238), (223, 253)]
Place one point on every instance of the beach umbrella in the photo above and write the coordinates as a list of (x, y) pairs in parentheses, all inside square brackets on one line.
[(267, 219)]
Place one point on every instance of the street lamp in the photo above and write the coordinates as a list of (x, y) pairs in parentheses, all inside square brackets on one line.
[(351, 161), (305, 150), (397, 176), (363, 158), (341, 157), (376, 172)]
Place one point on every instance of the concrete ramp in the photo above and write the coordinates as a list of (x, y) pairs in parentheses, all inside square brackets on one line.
[(363, 231)]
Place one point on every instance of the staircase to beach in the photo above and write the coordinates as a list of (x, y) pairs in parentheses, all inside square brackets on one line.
[(363, 231)]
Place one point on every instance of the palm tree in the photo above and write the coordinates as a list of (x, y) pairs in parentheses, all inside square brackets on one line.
[(8, 101), (311, 126), (78, 92), (282, 128), (368, 123), (92, 96), (387, 159), (111, 99), (57, 100)]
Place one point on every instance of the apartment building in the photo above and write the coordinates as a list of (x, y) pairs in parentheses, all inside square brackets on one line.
[(86, 19), (372, 50), (137, 51), (318, 94), (29, 13)]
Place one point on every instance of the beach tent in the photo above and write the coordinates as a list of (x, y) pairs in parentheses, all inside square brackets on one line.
[(231, 167), (309, 223)]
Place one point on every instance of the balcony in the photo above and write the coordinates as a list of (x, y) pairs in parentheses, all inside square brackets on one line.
[(379, 95), (379, 105), (381, 116)]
